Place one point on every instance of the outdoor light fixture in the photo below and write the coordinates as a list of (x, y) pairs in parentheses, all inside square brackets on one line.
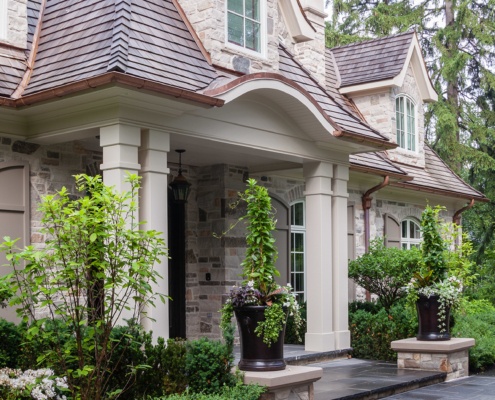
[(180, 186)]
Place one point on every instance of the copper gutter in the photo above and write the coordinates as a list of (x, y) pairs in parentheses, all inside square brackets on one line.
[(456, 219), (442, 192), (366, 207), (112, 78)]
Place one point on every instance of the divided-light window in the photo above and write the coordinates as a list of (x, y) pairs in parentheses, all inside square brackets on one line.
[(298, 249), (244, 23), (405, 123), (411, 234)]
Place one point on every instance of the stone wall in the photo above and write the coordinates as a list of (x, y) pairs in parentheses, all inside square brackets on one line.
[(379, 111), (16, 23), (208, 18), (51, 168), (214, 189)]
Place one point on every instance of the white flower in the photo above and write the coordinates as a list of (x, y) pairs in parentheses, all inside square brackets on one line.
[(250, 283)]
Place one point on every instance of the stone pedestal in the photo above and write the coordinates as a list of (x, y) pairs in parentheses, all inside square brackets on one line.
[(450, 356), (295, 382)]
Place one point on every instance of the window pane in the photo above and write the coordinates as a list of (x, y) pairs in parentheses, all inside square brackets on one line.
[(415, 231), (236, 29), (404, 229), (299, 239), (235, 6), (253, 9), (252, 35), (298, 263), (299, 283), (404, 246), (298, 214)]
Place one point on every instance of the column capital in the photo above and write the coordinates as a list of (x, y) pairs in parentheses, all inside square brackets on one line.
[(120, 134)]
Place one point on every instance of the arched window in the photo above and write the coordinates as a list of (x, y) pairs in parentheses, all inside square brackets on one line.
[(405, 117), (298, 249), (411, 234)]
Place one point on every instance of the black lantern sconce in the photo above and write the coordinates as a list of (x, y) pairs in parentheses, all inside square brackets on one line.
[(180, 186)]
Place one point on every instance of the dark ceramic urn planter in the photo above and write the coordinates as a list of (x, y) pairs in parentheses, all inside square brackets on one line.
[(428, 329), (256, 355)]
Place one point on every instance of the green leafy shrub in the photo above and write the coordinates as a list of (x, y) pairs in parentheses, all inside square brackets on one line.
[(294, 331), (208, 365), (238, 392), (174, 365), (373, 331), (385, 271), (10, 344), (476, 319)]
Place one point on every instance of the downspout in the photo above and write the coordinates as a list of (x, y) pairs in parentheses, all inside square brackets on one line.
[(456, 219), (366, 208)]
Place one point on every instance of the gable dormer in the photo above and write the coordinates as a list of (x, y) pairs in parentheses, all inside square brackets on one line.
[(244, 36), (387, 80), (13, 23)]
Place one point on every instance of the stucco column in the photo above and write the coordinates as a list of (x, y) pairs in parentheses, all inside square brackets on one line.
[(340, 257), (318, 194), (155, 146), (120, 145)]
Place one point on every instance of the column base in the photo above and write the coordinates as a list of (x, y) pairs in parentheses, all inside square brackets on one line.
[(320, 342), (342, 340), (450, 356)]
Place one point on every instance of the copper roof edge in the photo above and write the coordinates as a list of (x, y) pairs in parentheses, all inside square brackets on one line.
[(278, 77), (32, 55), (108, 78), (412, 186)]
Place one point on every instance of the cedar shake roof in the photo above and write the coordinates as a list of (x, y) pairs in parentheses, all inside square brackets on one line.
[(142, 38), (372, 60), (377, 163), (332, 103), (437, 177)]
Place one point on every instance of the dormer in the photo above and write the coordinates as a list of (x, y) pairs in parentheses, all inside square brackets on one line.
[(244, 35), (387, 80), (13, 23)]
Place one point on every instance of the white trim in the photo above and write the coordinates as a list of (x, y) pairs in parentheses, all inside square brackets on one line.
[(297, 25), (408, 241), (298, 229), (263, 33), (4, 20)]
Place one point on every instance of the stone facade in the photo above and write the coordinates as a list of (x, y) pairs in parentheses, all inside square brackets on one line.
[(379, 110), (208, 15), (16, 23), (51, 168)]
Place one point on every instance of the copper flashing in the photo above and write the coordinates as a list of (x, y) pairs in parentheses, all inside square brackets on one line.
[(112, 78), (32, 55), (456, 219), (354, 137), (412, 186), (192, 31), (305, 16)]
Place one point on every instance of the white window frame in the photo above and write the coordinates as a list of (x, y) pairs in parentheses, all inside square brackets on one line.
[(263, 36), (407, 242), (298, 229), (4, 20), (403, 120)]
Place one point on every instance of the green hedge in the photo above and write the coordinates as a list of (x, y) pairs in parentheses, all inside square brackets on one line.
[(373, 329)]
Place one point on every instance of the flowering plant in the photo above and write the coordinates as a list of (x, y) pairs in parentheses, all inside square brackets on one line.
[(259, 286), (37, 384), (444, 269)]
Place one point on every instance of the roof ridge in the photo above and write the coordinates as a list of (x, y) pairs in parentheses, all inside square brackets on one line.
[(119, 50), (32, 55), (366, 42), (320, 86)]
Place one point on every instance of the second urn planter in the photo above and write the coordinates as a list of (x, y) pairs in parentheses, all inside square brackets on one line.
[(255, 354), (433, 324)]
